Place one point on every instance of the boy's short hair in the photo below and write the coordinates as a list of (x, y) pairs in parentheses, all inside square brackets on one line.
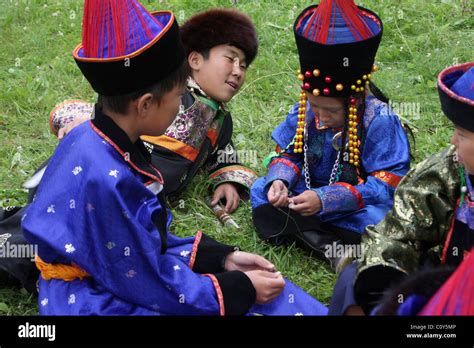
[(120, 104), (215, 27)]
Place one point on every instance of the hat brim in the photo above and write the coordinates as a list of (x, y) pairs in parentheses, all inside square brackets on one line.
[(344, 63), (139, 69), (458, 109)]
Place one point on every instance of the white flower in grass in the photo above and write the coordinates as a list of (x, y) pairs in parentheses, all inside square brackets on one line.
[(185, 253), (114, 173), (69, 248)]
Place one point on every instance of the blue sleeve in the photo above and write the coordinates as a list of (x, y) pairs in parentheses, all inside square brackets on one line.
[(286, 166), (385, 159)]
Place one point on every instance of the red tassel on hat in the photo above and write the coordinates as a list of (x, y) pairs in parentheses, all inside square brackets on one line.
[(114, 28), (324, 16)]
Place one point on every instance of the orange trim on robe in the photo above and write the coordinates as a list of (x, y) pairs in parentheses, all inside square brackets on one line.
[(220, 296), (197, 240), (387, 177), (174, 145)]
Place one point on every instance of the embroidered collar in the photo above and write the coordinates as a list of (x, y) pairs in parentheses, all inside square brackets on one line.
[(194, 87), (192, 84), (136, 155)]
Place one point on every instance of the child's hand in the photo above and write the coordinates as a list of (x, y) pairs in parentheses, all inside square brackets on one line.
[(71, 125), (267, 285), (307, 203), (245, 262), (278, 194), (231, 195)]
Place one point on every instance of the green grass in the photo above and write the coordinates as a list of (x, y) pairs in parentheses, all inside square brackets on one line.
[(37, 71)]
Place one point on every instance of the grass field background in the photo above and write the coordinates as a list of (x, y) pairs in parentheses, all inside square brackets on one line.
[(37, 71)]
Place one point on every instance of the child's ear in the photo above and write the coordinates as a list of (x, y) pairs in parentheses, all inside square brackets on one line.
[(144, 103), (195, 60)]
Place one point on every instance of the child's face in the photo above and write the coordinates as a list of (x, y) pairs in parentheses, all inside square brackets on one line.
[(464, 142), (220, 75), (160, 115), (330, 111)]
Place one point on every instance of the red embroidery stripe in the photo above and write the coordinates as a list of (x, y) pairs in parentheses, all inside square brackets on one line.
[(450, 234), (286, 162), (220, 296), (387, 177), (355, 193), (119, 150), (195, 248)]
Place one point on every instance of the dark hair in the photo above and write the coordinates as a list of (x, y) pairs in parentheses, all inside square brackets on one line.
[(348, 172), (377, 93), (423, 283), (205, 53), (120, 103)]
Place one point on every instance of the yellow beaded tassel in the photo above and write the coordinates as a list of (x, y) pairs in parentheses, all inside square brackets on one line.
[(354, 152), (298, 144)]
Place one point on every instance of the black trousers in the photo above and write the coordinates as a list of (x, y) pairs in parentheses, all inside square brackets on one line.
[(282, 225), (16, 268)]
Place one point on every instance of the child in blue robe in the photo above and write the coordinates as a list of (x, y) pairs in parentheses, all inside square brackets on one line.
[(341, 151), (98, 218)]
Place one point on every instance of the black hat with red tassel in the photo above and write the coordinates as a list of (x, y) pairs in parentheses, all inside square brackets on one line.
[(337, 42), (125, 48)]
